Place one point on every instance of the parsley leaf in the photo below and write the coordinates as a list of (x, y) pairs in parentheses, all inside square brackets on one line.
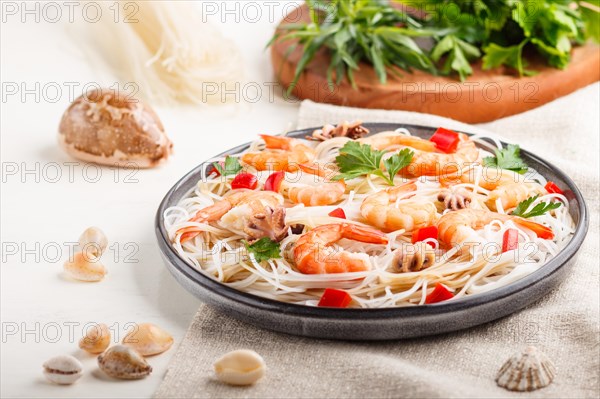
[(511, 56), (538, 210), (507, 158), (264, 249), (232, 166), (397, 162), (358, 159)]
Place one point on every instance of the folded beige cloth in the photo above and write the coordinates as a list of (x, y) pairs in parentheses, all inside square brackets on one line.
[(565, 324)]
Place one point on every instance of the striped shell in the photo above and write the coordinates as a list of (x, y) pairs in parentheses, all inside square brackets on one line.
[(63, 370), (526, 371)]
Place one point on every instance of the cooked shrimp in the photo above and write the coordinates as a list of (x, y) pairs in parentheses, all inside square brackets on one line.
[(312, 188), (456, 227), (486, 177), (314, 253), (394, 140), (507, 186), (381, 211), (282, 153), (254, 214), (511, 194), (427, 159)]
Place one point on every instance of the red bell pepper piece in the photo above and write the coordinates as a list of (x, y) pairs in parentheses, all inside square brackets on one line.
[(425, 233), (445, 140), (333, 298), (273, 182), (510, 240), (244, 180), (553, 188), (338, 213), (439, 294)]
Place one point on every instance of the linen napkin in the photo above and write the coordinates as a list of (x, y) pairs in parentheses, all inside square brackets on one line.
[(564, 324)]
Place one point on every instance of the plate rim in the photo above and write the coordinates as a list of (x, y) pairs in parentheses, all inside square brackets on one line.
[(426, 310)]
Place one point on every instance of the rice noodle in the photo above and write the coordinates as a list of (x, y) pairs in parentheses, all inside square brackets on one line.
[(169, 50), (221, 254)]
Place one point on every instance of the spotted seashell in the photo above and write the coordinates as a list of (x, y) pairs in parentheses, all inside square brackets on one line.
[(526, 371), (123, 362)]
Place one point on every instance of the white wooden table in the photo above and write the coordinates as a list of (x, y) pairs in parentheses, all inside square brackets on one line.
[(48, 199)]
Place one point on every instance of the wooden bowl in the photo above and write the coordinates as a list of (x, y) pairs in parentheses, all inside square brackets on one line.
[(484, 96)]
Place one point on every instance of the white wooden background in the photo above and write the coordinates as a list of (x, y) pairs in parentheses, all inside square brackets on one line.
[(47, 202)]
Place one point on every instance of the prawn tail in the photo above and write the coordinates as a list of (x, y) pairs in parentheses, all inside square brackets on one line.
[(188, 233), (313, 169), (212, 212), (410, 185), (364, 234), (540, 230), (450, 179), (278, 142)]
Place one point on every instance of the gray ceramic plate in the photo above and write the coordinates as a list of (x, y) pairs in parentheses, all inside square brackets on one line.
[(376, 324)]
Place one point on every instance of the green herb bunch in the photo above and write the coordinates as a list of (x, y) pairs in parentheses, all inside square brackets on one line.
[(500, 31), (358, 30), (456, 33)]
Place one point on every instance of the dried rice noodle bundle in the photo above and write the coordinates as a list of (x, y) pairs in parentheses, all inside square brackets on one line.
[(169, 51)]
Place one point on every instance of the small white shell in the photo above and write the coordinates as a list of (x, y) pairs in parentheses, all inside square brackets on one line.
[(124, 363), (84, 268), (148, 339), (240, 367), (526, 371), (96, 340), (63, 370), (93, 241)]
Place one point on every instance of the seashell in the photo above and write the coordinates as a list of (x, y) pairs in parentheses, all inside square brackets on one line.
[(112, 128), (526, 371), (93, 241), (240, 367), (123, 362), (63, 370), (96, 340), (84, 268), (148, 339)]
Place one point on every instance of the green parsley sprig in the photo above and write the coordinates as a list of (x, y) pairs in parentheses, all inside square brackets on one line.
[(231, 167), (538, 210), (358, 159), (507, 158), (264, 249)]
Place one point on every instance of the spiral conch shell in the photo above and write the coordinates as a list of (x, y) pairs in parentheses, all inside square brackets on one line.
[(526, 371), (96, 340), (148, 339), (124, 363)]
